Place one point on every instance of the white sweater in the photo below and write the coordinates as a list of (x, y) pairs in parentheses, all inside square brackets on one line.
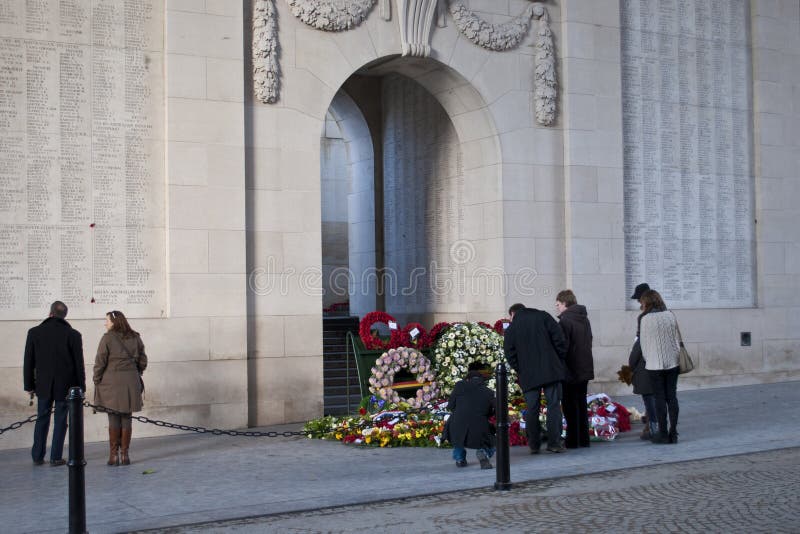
[(659, 340)]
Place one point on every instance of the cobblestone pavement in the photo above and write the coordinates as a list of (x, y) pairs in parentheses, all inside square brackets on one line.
[(757, 492)]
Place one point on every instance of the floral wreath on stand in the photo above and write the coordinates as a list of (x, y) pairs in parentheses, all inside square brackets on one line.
[(464, 344), (372, 342), (417, 342), (498, 326), (392, 361)]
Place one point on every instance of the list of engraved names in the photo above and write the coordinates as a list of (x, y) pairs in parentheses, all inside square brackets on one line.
[(81, 157), (689, 229)]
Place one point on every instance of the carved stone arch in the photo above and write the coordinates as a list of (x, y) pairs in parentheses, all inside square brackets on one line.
[(479, 145)]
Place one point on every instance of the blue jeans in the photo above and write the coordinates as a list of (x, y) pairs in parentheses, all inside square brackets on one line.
[(44, 404), (460, 453), (552, 395)]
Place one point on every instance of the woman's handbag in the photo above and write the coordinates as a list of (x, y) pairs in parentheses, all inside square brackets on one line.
[(685, 363)]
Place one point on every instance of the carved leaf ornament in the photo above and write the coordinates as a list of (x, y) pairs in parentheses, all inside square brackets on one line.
[(341, 15), (508, 35), (331, 15), (265, 52)]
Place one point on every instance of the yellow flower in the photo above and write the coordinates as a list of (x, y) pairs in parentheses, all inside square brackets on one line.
[(368, 439)]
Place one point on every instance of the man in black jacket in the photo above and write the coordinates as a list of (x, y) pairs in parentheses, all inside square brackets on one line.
[(574, 323), (53, 364), (535, 348)]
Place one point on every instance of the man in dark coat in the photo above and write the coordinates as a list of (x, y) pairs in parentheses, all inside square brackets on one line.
[(471, 404), (574, 323), (53, 364), (535, 349)]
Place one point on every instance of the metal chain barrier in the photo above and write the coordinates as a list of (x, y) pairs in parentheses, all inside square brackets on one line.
[(166, 424), (198, 429), (14, 426)]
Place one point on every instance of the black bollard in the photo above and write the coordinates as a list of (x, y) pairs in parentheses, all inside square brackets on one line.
[(503, 481), (77, 480)]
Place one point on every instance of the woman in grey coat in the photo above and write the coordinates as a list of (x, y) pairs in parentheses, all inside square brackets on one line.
[(118, 367)]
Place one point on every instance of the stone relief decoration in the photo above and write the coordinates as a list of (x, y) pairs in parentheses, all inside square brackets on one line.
[(499, 37), (545, 82), (416, 23), (265, 51), (332, 15)]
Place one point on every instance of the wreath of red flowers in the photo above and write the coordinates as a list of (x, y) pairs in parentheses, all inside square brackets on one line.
[(435, 332), (374, 342), (487, 325), (498, 325), (418, 342)]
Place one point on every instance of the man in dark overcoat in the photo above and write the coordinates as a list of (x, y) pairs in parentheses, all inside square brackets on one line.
[(574, 323), (53, 364), (535, 348)]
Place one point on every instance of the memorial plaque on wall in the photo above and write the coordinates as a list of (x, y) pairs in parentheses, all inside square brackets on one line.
[(82, 157), (687, 130)]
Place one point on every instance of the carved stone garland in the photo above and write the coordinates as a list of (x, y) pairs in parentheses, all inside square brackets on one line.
[(339, 15), (508, 35), (265, 51), (331, 15), (545, 82)]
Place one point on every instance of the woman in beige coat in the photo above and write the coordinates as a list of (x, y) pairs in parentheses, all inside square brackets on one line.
[(118, 367)]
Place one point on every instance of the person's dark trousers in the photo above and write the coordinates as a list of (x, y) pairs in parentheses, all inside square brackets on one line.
[(42, 428), (575, 413), (552, 395), (665, 386), (649, 401)]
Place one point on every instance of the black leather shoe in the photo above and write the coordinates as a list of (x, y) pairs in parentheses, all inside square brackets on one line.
[(673, 437), (535, 451), (461, 463), (559, 448), (55, 463), (38, 462), (660, 438)]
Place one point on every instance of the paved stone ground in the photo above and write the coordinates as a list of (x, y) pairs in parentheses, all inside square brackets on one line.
[(189, 478), (750, 493)]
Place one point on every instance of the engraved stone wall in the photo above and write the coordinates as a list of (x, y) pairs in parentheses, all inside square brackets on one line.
[(81, 157), (423, 200), (687, 128)]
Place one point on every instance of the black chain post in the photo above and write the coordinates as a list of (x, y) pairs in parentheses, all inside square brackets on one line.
[(76, 463), (503, 481)]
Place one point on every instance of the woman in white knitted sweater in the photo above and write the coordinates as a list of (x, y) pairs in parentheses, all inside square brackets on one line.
[(660, 344)]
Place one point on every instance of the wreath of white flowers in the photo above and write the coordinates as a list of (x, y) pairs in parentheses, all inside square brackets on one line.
[(463, 344), (392, 361)]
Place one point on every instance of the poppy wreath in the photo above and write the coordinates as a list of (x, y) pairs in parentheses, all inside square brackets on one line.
[(498, 325), (417, 342), (392, 361), (433, 336), (372, 342)]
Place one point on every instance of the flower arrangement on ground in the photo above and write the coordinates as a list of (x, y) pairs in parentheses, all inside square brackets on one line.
[(463, 344), (390, 363), (383, 424)]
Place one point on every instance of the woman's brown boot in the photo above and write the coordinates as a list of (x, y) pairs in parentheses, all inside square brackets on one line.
[(113, 443), (124, 459)]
